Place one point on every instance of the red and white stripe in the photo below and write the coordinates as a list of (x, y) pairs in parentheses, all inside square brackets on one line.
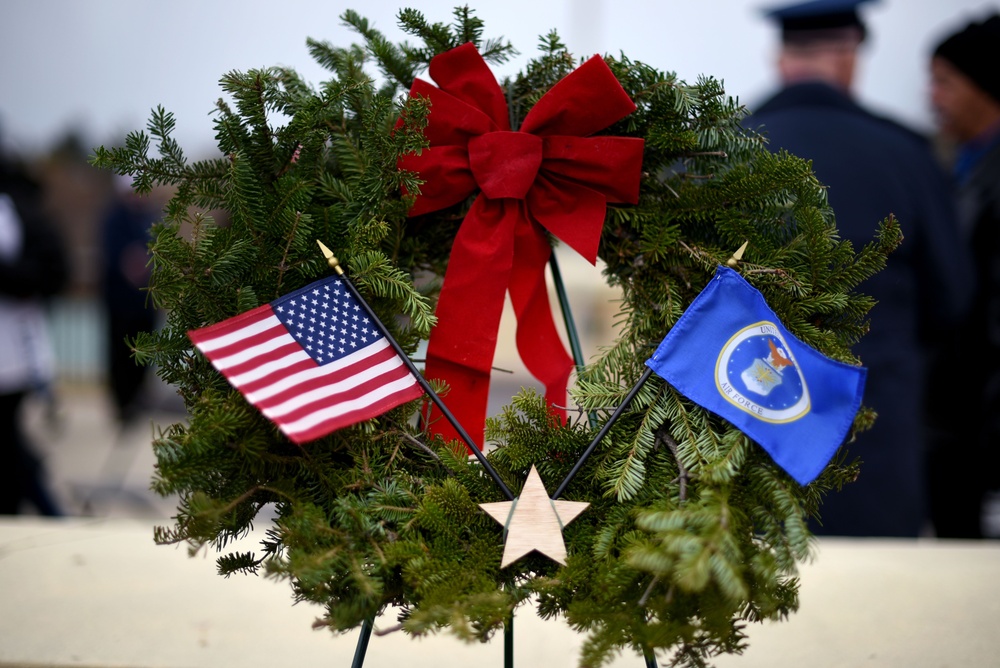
[(258, 356)]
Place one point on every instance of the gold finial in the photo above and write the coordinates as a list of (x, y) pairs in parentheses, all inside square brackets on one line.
[(330, 258), (737, 256)]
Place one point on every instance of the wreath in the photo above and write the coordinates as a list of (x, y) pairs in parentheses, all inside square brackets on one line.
[(692, 530)]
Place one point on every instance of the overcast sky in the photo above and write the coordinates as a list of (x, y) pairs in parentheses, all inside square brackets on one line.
[(99, 66)]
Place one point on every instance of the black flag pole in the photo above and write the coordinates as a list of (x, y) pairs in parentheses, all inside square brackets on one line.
[(733, 262), (604, 432), (335, 265)]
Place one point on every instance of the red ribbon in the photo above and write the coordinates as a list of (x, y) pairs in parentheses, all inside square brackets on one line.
[(548, 176)]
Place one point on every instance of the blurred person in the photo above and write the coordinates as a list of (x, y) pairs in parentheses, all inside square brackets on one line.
[(872, 167), (33, 266), (124, 278), (964, 459)]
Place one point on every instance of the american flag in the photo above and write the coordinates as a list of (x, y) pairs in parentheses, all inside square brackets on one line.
[(312, 361)]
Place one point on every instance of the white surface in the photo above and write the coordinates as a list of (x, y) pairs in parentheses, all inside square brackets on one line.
[(100, 593)]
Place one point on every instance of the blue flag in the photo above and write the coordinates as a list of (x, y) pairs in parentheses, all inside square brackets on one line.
[(731, 355)]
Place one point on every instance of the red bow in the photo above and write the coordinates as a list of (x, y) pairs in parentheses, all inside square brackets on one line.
[(549, 176)]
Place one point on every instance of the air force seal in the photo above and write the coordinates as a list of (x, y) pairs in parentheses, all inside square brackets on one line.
[(757, 373), (730, 354)]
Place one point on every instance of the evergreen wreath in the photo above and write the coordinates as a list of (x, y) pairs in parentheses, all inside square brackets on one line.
[(692, 530)]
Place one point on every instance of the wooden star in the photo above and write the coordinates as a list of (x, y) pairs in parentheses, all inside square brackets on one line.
[(534, 521)]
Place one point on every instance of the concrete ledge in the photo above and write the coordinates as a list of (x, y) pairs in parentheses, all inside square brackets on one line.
[(99, 593)]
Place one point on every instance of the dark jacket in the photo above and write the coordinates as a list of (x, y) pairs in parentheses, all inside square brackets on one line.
[(964, 403), (874, 167), (979, 217)]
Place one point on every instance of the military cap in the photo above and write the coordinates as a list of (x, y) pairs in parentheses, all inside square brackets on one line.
[(804, 18)]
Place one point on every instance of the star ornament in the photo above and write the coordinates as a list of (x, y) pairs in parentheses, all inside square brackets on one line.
[(533, 521)]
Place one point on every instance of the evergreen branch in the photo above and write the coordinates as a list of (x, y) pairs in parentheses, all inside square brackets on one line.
[(283, 264), (242, 562), (412, 440), (391, 60), (629, 473)]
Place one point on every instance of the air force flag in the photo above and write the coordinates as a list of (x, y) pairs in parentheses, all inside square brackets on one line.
[(730, 354)]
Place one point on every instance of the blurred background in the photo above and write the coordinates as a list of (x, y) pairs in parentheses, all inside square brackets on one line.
[(75, 75), (92, 70)]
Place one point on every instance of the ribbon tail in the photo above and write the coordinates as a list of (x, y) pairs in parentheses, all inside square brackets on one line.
[(460, 349), (538, 342), (467, 399)]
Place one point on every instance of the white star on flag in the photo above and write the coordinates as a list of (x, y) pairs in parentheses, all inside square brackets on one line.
[(299, 372)]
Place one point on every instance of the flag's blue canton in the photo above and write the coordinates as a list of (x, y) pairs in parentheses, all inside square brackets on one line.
[(326, 320), (730, 354)]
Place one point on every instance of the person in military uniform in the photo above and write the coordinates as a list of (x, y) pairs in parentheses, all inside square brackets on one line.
[(873, 167), (965, 449)]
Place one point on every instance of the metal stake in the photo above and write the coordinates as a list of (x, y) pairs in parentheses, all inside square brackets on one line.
[(362, 646), (571, 333), (508, 642)]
